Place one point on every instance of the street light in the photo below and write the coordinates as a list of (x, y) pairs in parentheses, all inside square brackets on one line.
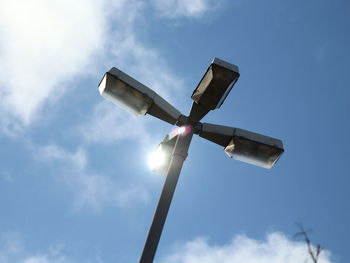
[(213, 88), (216, 84), (210, 93)]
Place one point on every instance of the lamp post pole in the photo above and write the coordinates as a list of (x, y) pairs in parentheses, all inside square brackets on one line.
[(179, 155)]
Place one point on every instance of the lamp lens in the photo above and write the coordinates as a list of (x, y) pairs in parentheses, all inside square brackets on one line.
[(124, 95), (253, 152)]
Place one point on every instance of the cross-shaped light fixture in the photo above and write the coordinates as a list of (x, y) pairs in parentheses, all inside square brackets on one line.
[(211, 92)]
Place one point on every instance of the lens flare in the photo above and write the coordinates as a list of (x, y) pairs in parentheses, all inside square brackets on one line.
[(181, 130)]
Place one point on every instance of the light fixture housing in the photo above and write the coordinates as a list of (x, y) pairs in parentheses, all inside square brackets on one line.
[(121, 89), (216, 84), (243, 145)]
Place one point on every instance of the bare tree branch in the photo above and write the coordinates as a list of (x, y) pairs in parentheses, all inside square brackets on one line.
[(314, 253)]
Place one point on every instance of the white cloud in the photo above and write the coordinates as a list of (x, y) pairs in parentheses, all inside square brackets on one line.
[(277, 248), (44, 44), (90, 190), (178, 8)]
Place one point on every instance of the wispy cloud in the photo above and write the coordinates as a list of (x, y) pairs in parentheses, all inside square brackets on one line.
[(90, 190), (109, 123), (95, 192), (6, 176), (13, 250), (184, 8), (10, 247), (52, 152), (148, 66), (276, 248)]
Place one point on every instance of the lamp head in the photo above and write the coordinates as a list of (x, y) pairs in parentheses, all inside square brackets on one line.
[(243, 145), (216, 84), (253, 148), (133, 96), (126, 92)]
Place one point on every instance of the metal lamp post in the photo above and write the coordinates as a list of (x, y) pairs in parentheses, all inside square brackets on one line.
[(212, 90)]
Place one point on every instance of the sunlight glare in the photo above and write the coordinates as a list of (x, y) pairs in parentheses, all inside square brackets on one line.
[(182, 130), (157, 159)]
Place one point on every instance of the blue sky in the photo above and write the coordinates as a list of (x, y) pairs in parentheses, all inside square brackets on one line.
[(74, 181)]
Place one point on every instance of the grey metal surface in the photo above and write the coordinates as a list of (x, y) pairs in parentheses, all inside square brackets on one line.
[(179, 156), (197, 112), (225, 64), (258, 138), (163, 110), (218, 134)]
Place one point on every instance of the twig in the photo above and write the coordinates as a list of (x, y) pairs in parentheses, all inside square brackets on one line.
[(314, 253)]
